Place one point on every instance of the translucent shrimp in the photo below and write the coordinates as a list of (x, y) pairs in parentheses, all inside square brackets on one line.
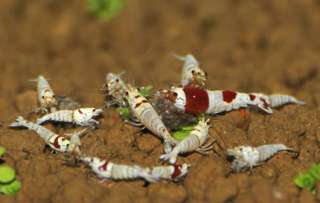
[(145, 114), (109, 170), (116, 90), (56, 142), (243, 158), (82, 116), (194, 142), (46, 96), (191, 72)]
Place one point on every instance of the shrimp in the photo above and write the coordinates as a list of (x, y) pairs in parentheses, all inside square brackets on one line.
[(109, 170), (243, 158), (196, 100), (144, 113), (197, 137), (82, 116), (172, 172), (115, 90), (191, 72), (55, 141), (46, 96), (172, 117)]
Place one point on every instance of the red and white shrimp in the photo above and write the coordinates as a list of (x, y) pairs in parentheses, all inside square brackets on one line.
[(56, 142), (82, 116), (191, 72), (172, 117), (193, 142), (109, 170), (173, 172), (46, 96), (116, 90), (243, 158), (196, 100), (146, 115)]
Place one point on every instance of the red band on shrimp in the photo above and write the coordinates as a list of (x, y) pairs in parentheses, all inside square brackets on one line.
[(265, 104), (56, 142), (177, 171), (103, 167), (252, 97), (228, 96), (197, 100)]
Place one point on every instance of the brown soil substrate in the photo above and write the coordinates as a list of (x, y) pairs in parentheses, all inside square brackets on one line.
[(265, 46)]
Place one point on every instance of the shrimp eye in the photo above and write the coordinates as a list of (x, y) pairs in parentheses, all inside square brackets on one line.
[(127, 93), (175, 94), (93, 110), (231, 158), (193, 72), (206, 74), (42, 97), (117, 80)]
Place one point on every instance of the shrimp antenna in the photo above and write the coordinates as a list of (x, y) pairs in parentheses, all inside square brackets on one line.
[(179, 57)]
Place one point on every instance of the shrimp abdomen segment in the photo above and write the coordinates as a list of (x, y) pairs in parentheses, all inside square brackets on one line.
[(162, 172), (63, 115), (277, 100), (150, 118), (222, 101), (126, 172), (267, 151), (43, 132)]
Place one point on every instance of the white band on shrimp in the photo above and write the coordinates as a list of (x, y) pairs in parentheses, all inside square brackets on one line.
[(180, 102)]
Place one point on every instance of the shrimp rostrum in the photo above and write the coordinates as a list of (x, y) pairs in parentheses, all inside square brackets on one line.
[(243, 158), (146, 115), (54, 141), (193, 142), (81, 116)]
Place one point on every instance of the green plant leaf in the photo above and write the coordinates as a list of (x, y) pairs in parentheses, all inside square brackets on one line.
[(180, 134), (146, 91), (105, 9), (124, 112), (11, 188), (7, 174), (183, 132), (2, 151), (315, 172), (308, 180), (305, 181)]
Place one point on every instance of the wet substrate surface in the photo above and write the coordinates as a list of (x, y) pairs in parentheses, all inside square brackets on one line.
[(265, 46)]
